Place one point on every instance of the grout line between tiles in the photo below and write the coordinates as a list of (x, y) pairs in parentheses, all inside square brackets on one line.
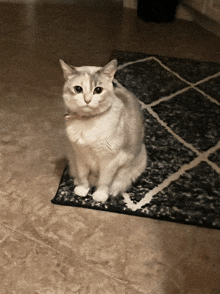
[(5, 237), (63, 256), (35, 240), (108, 274)]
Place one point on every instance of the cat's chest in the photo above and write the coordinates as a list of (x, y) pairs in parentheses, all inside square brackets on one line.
[(90, 131)]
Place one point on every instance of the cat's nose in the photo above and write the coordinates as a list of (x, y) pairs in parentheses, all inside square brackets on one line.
[(87, 99)]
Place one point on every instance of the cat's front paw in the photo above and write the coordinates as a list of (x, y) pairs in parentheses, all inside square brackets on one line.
[(76, 182), (100, 196), (81, 191)]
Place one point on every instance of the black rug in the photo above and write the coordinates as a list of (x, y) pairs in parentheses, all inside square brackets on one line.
[(181, 105)]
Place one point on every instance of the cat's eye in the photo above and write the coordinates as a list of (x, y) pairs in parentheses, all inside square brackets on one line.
[(98, 90), (78, 89)]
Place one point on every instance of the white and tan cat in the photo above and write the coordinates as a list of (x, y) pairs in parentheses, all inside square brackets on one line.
[(105, 129)]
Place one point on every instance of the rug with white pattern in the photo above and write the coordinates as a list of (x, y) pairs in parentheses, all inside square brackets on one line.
[(180, 99)]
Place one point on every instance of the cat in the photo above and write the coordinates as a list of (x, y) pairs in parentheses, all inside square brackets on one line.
[(105, 128)]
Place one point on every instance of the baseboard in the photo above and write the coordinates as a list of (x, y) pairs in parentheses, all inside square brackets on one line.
[(188, 13)]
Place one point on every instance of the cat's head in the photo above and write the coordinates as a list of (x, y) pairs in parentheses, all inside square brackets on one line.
[(88, 90)]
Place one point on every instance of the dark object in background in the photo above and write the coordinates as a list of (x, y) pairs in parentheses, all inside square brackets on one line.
[(157, 10)]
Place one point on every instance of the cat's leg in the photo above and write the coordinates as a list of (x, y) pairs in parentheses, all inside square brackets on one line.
[(108, 170), (82, 184), (129, 173), (72, 165), (73, 168), (106, 176), (122, 182), (82, 187), (78, 171)]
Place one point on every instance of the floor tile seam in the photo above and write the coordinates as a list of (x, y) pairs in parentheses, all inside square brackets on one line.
[(39, 242), (35, 240), (108, 274), (64, 256), (7, 236), (43, 244), (12, 230)]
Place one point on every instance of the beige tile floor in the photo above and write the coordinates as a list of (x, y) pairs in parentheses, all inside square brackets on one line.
[(47, 249)]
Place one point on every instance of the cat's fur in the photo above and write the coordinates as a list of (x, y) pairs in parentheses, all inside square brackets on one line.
[(105, 131)]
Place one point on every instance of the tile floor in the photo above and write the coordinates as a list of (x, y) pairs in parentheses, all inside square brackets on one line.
[(48, 249)]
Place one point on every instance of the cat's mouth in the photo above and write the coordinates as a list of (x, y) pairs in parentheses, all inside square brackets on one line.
[(86, 111), (87, 108)]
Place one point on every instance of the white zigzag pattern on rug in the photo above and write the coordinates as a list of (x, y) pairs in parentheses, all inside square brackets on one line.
[(201, 156)]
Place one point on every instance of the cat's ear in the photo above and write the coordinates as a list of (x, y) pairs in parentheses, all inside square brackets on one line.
[(67, 70), (110, 69)]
